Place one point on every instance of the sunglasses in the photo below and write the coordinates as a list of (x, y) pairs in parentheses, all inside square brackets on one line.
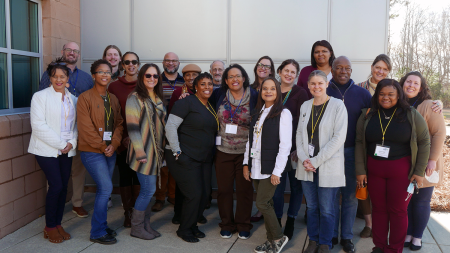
[(127, 62), (155, 76)]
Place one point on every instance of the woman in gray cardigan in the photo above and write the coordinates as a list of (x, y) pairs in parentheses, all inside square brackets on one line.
[(321, 134)]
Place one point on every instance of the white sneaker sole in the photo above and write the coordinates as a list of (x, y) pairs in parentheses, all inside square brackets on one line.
[(284, 244), (226, 236), (243, 238), (81, 216)]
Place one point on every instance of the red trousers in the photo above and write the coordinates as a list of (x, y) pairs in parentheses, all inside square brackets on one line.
[(387, 181)]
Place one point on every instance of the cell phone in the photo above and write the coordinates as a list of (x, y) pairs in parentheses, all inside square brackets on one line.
[(416, 187)]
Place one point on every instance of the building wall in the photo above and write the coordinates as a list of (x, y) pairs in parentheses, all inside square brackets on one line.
[(23, 185)]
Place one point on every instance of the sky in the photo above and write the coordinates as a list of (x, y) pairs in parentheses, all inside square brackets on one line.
[(396, 24)]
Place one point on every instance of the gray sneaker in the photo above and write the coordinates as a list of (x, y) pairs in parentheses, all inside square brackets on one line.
[(263, 247), (312, 247), (276, 247)]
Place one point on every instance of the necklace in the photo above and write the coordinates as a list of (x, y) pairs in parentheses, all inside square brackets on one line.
[(386, 117)]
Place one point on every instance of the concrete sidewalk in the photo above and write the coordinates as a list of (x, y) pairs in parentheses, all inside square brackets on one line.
[(30, 238)]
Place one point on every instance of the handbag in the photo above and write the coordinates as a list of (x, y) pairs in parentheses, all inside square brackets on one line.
[(362, 193)]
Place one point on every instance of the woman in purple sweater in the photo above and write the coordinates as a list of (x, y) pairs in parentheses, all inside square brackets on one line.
[(322, 56)]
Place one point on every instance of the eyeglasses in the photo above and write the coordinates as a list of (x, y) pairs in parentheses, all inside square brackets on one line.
[(69, 50), (103, 73), (233, 77), (127, 62), (217, 70), (155, 76), (170, 61), (262, 66), (340, 69)]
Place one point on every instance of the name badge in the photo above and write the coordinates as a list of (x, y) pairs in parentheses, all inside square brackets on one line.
[(218, 140), (311, 148), (231, 129), (255, 153), (382, 151), (107, 136), (67, 135)]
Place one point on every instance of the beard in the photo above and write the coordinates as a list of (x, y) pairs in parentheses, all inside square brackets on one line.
[(171, 71), (69, 61)]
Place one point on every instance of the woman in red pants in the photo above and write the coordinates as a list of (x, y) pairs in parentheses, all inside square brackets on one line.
[(392, 150)]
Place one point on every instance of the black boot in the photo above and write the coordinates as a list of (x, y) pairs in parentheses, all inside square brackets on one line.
[(279, 222), (289, 227)]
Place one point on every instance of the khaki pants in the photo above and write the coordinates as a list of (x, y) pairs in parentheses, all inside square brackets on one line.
[(264, 202), (78, 179), (167, 185)]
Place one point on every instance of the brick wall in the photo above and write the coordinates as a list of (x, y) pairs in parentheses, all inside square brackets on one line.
[(60, 25), (23, 185)]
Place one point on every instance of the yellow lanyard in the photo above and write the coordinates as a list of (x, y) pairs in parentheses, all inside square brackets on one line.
[(66, 115), (211, 111), (313, 126), (381, 125), (108, 115)]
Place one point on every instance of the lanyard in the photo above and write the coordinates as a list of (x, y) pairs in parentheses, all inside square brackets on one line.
[(313, 126), (211, 111), (286, 98), (74, 84), (108, 115), (381, 125), (68, 112), (174, 84), (256, 130), (231, 113)]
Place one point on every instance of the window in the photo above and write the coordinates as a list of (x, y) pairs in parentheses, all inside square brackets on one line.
[(20, 54)]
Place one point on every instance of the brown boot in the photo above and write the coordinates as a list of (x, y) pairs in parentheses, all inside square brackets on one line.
[(127, 198), (136, 191), (158, 206), (53, 236)]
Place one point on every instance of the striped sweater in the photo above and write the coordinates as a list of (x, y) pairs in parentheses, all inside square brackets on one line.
[(145, 123), (169, 86)]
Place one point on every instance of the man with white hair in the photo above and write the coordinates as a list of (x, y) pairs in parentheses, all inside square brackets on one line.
[(216, 70)]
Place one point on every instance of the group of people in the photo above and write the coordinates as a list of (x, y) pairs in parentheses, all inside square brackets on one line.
[(166, 132)]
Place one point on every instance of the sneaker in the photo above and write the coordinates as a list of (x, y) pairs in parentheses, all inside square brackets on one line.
[(348, 246), (263, 247), (225, 234), (244, 235), (80, 212), (324, 249), (106, 239), (276, 247)]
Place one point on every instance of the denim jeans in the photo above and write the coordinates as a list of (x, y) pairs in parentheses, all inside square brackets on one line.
[(321, 214), (101, 168), (148, 188), (349, 204), (419, 211), (295, 201)]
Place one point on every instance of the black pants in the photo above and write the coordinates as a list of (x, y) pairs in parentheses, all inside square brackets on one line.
[(57, 171), (127, 176), (193, 180)]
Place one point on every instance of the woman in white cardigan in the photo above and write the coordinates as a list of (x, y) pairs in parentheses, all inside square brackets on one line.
[(321, 134), (53, 142)]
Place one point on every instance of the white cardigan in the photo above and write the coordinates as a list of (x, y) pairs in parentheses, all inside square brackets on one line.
[(45, 118), (332, 135)]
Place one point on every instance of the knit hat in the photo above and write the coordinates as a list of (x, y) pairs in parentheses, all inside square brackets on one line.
[(191, 68)]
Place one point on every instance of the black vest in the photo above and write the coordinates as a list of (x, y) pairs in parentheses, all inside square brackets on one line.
[(270, 143)]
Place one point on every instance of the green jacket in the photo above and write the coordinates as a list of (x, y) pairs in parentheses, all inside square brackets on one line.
[(420, 143)]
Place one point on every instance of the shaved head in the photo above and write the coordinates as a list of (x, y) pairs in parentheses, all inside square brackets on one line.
[(171, 63), (341, 59), (171, 56)]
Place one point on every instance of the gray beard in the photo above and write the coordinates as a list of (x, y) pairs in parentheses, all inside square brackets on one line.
[(171, 72), (69, 62)]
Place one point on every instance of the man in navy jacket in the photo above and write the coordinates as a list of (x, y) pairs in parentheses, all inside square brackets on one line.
[(355, 98)]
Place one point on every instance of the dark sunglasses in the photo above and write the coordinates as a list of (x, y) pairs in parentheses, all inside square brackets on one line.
[(127, 62), (155, 76)]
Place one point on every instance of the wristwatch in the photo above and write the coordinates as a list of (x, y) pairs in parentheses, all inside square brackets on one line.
[(177, 154)]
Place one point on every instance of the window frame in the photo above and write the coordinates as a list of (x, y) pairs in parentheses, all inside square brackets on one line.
[(9, 52)]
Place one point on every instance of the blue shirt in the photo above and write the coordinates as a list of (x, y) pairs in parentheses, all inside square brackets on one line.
[(355, 99), (79, 81)]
